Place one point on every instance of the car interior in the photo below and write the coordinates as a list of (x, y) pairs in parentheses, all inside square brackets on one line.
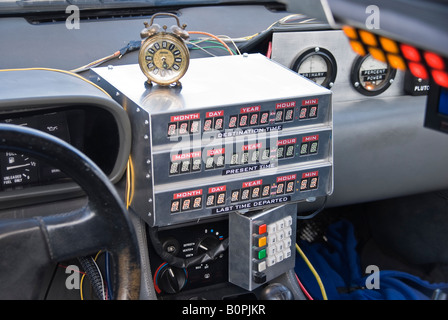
[(223, 150)]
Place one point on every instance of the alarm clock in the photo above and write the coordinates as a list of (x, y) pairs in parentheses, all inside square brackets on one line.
[(164, 57)]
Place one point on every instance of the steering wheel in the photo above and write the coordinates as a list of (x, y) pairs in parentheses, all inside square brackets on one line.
[(29, 246)]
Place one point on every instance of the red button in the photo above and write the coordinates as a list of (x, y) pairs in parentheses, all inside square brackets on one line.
[(262, 229)]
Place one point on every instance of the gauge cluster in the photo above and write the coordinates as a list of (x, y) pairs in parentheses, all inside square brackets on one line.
[(18, 170), (326, 58)]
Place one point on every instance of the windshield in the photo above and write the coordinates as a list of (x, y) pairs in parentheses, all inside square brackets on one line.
[(24, 6)]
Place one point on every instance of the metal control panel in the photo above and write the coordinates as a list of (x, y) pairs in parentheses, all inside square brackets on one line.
[(242, 132), (261, 245)]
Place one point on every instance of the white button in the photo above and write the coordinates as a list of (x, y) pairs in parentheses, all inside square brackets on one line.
[(280, 235), (272, 239), (271, 250), (287, 243), (287, 253), (279, 257), (288, 232), (262, 266), (280, 246), (272, 228), (280, 224), (288, 221), (271, 261)]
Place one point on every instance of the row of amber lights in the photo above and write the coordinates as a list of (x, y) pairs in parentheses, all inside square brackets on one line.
[(422, 64)]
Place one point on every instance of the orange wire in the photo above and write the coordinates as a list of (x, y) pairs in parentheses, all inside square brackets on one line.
[(214, 37)]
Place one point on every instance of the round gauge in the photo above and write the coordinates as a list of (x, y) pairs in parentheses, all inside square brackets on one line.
[(318, 65), (370, 76), (164, 58)]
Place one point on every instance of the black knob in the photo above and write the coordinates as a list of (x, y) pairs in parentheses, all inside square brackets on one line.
[(207, 244), (171, 279)]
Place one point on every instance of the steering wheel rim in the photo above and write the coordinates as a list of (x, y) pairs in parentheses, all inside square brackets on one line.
[(74, 234)]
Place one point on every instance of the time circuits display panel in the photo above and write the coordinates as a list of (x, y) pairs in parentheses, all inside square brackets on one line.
[(242, 132)]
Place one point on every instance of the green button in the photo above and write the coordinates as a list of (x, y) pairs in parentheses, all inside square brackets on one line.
[(262, 254)]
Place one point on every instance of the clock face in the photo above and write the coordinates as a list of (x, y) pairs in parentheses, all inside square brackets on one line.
[(164, 58)]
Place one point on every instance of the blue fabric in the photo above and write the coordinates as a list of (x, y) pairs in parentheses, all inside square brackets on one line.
[(338, 265)]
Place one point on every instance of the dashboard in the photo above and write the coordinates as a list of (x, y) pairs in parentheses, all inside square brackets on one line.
[(348, 130)]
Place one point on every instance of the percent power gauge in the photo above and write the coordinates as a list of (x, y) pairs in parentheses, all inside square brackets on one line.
[(318, 65), (371, 77)]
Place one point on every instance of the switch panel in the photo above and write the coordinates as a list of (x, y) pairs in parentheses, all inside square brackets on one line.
[(261, 245)]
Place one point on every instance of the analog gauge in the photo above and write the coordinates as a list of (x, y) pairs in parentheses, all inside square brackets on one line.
[(18, 169), (370, 76), (318, 65)]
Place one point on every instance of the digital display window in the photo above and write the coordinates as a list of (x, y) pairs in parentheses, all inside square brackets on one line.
[(313, 146), (233, 122), (174, 167), (196, 164), (185, 167), (175, 206), (219, 123), (235, 196), (172, 129), (255, 192), (210, 200), (243, 120), (221, 198), (289, 114), (266, 191), (197, 202), (290, 187), (280, 188), (289, 151), (264, 118)]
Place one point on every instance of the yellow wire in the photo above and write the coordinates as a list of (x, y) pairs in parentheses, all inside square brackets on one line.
[(62, 71), (82, 278), (129, 183), (316, 275)]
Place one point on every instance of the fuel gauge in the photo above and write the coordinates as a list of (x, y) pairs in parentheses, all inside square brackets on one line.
[(18, 169)]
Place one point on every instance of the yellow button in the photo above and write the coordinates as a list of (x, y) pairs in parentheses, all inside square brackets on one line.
[(262, 241)]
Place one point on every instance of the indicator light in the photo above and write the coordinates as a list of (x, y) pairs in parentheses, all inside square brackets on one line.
[(410, 53), (440, 77), (350, 32), (358, 47), (434, 61), (368, 38), (396, 62), (418, 70), (389, 45), (377, 54)]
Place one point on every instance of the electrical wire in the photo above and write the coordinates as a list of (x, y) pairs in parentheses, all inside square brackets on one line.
[(214, 37), (302, 287), (129, 182), (93, 260), (315, 213), (313, 271)]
